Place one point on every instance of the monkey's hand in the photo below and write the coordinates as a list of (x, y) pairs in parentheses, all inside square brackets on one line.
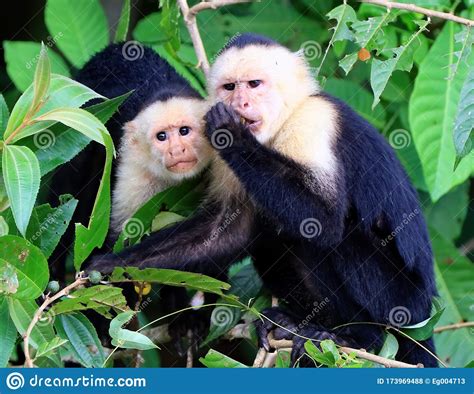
[(224, 129)]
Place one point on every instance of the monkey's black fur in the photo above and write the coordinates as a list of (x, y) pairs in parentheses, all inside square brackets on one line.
[(370, 259), (111, 74)]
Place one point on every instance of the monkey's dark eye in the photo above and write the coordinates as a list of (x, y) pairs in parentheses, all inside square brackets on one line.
[(229, 86), (161, 136), (255, 83), (184, 130)]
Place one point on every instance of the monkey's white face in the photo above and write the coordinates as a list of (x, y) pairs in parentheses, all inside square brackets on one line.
[(169, 139), (263, 84), (256, 100)]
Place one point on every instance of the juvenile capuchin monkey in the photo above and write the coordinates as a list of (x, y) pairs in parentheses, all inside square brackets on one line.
[(318, 192), (159, 132)]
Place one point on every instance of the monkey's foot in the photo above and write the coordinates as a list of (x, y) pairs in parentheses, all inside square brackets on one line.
[(278, 321)]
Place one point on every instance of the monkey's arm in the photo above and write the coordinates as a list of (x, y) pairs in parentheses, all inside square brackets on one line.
[(285, 190), (206, 243)]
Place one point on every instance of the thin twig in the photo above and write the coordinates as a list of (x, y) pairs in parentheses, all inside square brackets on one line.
[(454, 326), (420, 10), (189, 16), (47, 301)]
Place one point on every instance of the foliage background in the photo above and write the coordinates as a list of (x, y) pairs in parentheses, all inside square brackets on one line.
[(416, 87)]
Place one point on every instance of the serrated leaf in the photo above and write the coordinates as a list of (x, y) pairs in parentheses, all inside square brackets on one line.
[(365, 32), (401, 59), (7, 333), (100, 298), (30, 266), (93, 236), (124, 21), (21, 174), (466, 40), (47, 348), (464, 122), (42, 78), (81, 26), (63, 92), (68, 142), (127, 339), (78, 119), (432, 111), (21, 58), (83, 342), (22, 312), (215, 359), (343, 14), (53, 223), (348, 62), (390, 347)]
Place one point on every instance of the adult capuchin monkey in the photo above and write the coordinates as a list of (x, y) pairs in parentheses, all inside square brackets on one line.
[(159, 130), (319, 193)]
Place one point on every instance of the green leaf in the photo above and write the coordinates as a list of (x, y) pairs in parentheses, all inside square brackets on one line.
[(466, 40), (4, 114), (390, 347), (432, 111), (7, 333), (172, 198), (366, 32), (325, 358), (170, 22), (4, 228), (124, 21), (42, 78), (22, 312), (103, 299), (215, 359), (88, 238), (448, 214), (358, 98), (47, 348), (53, 223), (401, 58), (21, 174), (4, 202), (63, 92), (127, 339), (170, 277), (67, 142), (464, 123), (424, 329), (83, 342), (454, 282), (78, 119), (344, 15), (348, 62), (21, 58), (30, 266), (81, 27), (283, 359), (164, 219)]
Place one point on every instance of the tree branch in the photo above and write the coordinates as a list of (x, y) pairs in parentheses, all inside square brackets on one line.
[(420, 10), (47, 301), (189, 16), (454, 326)]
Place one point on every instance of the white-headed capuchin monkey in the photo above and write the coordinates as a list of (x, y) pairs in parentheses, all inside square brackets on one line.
[(159, 130), (318, 192)]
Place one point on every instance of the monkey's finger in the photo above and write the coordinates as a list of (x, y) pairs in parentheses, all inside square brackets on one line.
[(262, 329)]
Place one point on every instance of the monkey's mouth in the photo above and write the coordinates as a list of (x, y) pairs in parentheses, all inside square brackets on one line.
[(253, 125), (182, 166)]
